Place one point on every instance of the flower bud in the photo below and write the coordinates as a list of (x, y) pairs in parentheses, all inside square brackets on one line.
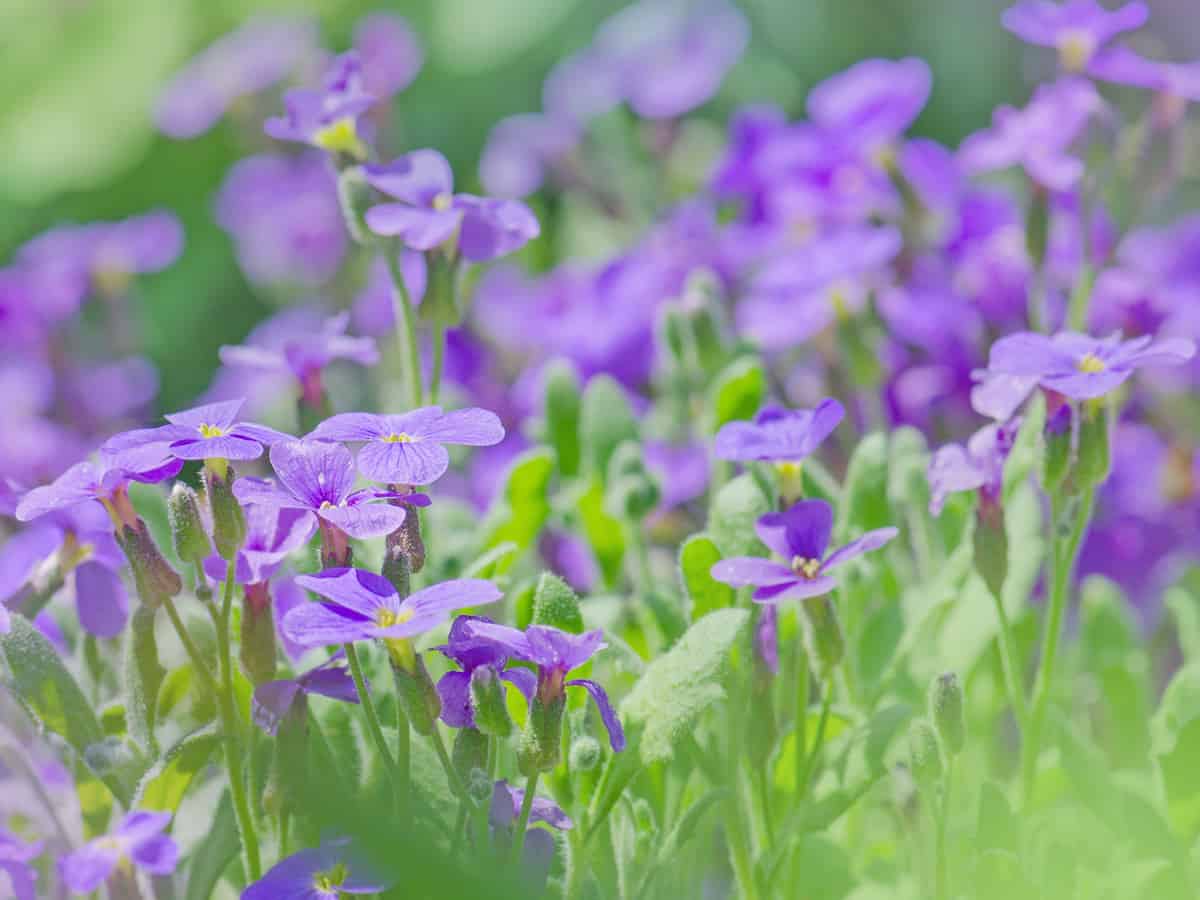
[(1056, 441), (631, 492), (925, 756), (407, 538), (143, 676), (479, 785), (417, 693), (584, 754), (153, 576), (1095, 455), (469, 753), (541, 743), (826, 644), (187, 525), (991, 546), (946, 710), (354, 196), (556, 605), (257, 648), (229, 523), (397, 570), (488, 706)]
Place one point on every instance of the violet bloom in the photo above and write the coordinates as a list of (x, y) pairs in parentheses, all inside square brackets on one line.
[(210, 431), (1177, 83), (251, 59), (430, 214), (272, 535), (1079, 366), (390, 54), (800, 535), (1038, 137), (375, 306), (273, 701), (537, 854), (1076, 29), (555, 653), (407, 448), (139, 838), (327, 117), (521, 152), (364, 605), (319, 477), (284, 217), (16, 854), (323, 873), (873, 101), (779, 435), (977, 466), (474, 655)]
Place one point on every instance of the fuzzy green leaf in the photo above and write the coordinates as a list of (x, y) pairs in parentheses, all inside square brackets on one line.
[(696, 559), (163, 786), (738, 391)]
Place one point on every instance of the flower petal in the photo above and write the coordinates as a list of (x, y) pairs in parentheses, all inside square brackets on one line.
[(447, 596), (796, 590), (419, 228), (101, 600), (314, 471), (159, 855), (265, 492), (318, 624), (88, 867), (872, 540), (740, 571), (523, 680), (350, 427), (227, 446), (454, 689), (616, 734), (401, 462), (473, 426), (364, 520), (217, 415), (271, 701), (358, 590)]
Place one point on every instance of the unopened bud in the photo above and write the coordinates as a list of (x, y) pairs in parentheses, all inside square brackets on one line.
[(541, 742), (556, 605), (479, 786), (1056, 443), (631, 492), (946, 710), (991, 545), (229, 522), (469, 753), (488, 706), (187, 525), (257, 648), (827, 645), (584, 754), (417, 693), (925, 757), (153, 576), (1095, 454), (407, 539), (143, 677)]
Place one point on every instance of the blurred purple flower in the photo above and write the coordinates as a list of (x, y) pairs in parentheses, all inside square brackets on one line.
[(323, 873), (1077, 29), (274, 700), (16, 854), (872, 102), (139, 839), (327, 117), (522, 151), (390, 54), (977, 466), (777, 434)]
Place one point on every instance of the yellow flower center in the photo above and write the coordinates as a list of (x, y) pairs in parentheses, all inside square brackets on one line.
[(341, 136), (1090, 364), (400, 438), (839, 297), (806, 567), (325, 504), (442, 202), (210, 431), (386, 618), (330, 881), (1075, 49)]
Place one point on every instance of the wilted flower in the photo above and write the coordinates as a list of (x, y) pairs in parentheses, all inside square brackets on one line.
[(779, 435), (139, 839)]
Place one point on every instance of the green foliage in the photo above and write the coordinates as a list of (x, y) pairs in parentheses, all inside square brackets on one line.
[(605, 421), (562, 410), (523, 506), (167, 780), (735, 509), (555, 604), (697, 555), (738, 391)]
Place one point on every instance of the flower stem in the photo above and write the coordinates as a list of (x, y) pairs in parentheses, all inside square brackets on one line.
[(1064, 551), (456, 783), (941, 880), (1008, 662), (403, 753), (368, 706), (198, 664), (801, 726), (406, 329), (233, 738), (819, 739), (523, 819), (439, 353)]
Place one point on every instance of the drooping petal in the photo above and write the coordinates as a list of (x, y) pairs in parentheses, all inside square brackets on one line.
[(1000, 396), (952, 470), (407, 462), (101, 600), (616, 734), (523, 680), (333, 682), (741, 571), (76, 485), (454, 689), (872, 540), (22, 877), (271, 701), (510, 640), (364, 520)]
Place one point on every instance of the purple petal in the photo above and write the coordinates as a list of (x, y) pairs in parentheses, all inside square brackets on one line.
[(510, 640), (158, 855), (523, 680), (562, 650), (358, 590), (421, 229), (318, 624), (495, 228), (101, 600), (443, 598), (216, 415), (227, 446), (271, 701), (616, 734), (416, 177), (403, 462), (314, 471), (799, 589), (740, 571), (952, 470), (364, 520), (454, 689), (88, 867), (261, 433), (1026, 354), (1168, 352), (473, 426), (872, 540), (262, 492), (807, 526), (23, 553), (333, 682), (1000, 396), (76, 485), (22, 877), (351, 427), (141, 825)]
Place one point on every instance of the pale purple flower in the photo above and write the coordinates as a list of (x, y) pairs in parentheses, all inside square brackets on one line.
[(977, 466), (779, 435), (555, 653), (274, 700), (139, 838), (522, 151), (407, 448), (375, 306), (873, 101), (363, 605), (1178, 83), (1077, 29), (681, 470), (319, 477), (16, 854), (251, 59), (430, 214), (272, 535), (390, 54), (800, 535), (322, 873), (210, 431), (474, 656), (506, 807), (327, 117)]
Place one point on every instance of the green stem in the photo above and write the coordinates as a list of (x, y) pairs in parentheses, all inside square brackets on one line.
[(1063, 554), (284, 821), (406, 329), (233, 739), (199, 666), (456, 783), (1008, 656), (1081, 295), (801, 727), (523, 819), (941, 879), (439, 352), (403, 752), (819, 739), (368, 707)]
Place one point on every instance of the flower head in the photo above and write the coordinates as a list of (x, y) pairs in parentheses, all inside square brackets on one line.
[(407, 448), (210, 431), (272, 535), (390, 54), (327, 117), (873, 101), (273, 700), (473, 654), (779, 435), (800, 535), (1076, 29), (15, 856), (139, 838), (978, 465), (322, 873)]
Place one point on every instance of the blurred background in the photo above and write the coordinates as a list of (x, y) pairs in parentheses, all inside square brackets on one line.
[(79, 80)]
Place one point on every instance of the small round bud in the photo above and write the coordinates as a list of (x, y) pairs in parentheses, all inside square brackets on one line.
[(488, 706), (585, 753), (229, 522), (187, 525), (925, 756), (556, 605), (946, 710)]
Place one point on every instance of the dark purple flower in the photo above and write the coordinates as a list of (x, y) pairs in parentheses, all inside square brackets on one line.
[(327, 117), (390, 54), (365, 605), (274, 700), (977, 466), (779, 435), (1079, 366), (407, 448), (139, 838), (259, 54), (873, 101), (800, 535), (323, 873), (319, 477), (474, 655), (430, 214), (555, 653), (284, 217), (210, 431), (16, 854), (1076, 29)]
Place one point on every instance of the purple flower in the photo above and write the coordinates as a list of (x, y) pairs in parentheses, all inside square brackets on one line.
[(521, 151), (374, 307), (251, 59), (779, 435), (407, 448), (555, 653), (1076, 29), (283, 215), (800, 535), (365, 605), (1038, 137), (210, 431), (272, 535), (873, 101), (506, 808), (978, 465), (390, 54), (324, 873), (430, 214), (474, 655), (327, 117), (15, 856), (1078, 366), (274, 700), (1176, 81), (319, 477), (139, 838)]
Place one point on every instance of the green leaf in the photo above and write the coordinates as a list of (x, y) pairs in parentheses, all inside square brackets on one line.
[(687, 824), (865, 495), (214, 854), (38, 679), (734, 511), (697, 556), (143, 675), (603, 532), (997, 826), (738, 391), (562, 412), (494, 561), (1185, 612), (1175, 742), (679, 685), (908, 464), (606, 420), (523, 507), (163, 786)]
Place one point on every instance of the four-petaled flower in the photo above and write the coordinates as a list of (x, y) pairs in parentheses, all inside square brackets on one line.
[(407, 448), (1076, 29), (779, 435), (327, 117), (800, 535), (210, 431), (321, 873), (139, 838), (474, 655)]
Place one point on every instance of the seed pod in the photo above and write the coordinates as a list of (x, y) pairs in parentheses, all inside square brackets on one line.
[(488, 706), (229, 522), (257, 648), (187, 525), (924, 754), (946, 710)]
